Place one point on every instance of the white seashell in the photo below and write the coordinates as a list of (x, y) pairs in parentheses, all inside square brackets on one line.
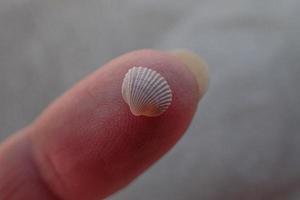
[(146, 92)]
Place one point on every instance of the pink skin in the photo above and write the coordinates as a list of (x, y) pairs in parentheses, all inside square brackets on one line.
[(87, 144)]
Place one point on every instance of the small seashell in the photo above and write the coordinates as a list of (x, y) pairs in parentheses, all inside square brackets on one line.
[(146, 92)]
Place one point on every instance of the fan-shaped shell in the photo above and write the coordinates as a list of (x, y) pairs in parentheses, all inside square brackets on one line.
[(146, 92)]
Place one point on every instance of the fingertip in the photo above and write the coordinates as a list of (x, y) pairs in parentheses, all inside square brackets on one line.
[(196, 64)]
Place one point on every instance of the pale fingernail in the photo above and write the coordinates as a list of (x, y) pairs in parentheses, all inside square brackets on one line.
[(196, 65)]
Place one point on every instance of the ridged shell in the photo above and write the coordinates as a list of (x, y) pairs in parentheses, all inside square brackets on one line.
[(146, 92)]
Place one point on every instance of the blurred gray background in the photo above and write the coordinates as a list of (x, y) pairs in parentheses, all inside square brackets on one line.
[(244, 140)]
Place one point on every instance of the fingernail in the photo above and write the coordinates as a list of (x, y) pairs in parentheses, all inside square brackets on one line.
[(196, 65)]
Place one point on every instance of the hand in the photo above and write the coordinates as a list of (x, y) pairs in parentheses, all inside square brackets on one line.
[(87, 144)]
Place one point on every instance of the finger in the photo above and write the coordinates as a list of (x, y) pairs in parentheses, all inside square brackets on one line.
[(87, 144)]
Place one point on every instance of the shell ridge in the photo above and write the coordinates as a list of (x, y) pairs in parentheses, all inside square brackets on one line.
[(128, 89), (147, 83), (142, 89), (160, 100), (161, 91), (164, 101), (129, 85), (135, 84), (139, 75), (156, 87), (151, 87), (161, 96), (124, 85), (146, 87)]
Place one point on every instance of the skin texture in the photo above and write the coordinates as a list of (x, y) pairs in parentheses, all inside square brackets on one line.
[(87, 144)]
